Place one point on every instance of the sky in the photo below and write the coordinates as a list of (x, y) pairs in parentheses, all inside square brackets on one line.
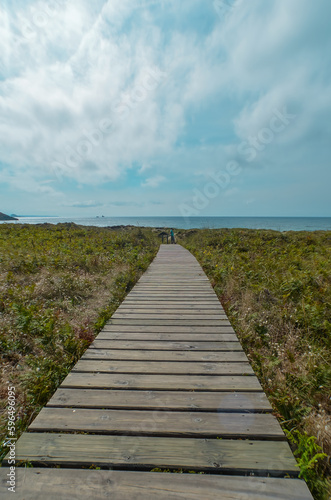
[(165, 107)]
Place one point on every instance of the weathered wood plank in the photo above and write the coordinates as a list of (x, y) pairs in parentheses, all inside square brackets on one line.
[(163, 367), (157, 345), (178, 295), (189, 285), (159, 423), (172, 305), (182, 290), (161, 400), (197, 295), (174, 310), (241, 456), (198, 287), (170, 277), (170, 322), (168, 329), (183, 356), (162, 382), (175, 282), (205, 301), (78, 484), (178, 316), (177, 337)]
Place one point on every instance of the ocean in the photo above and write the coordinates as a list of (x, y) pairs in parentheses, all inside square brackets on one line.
[(275, 223)]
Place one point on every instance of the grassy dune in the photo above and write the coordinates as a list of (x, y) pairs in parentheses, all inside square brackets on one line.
[(58, 286), (276, 290)]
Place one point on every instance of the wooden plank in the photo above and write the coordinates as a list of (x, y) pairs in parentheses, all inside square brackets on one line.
[(159, 423), (171, 274), (170, 322), (78, 484), (151, 274), (198, 309), (178, 311), (161, 400), (182, 289), (173, 310), (170, 277), (241, 456), (177, 337), (166, 302), (168, 329), (175, 284), (172, 271), (193, 289), (157, 345), (205, 301), (162, 382), (172, 305), (166, 316), (183, 356), (163, 367), (176, 295), (193, 292), (175, 281)]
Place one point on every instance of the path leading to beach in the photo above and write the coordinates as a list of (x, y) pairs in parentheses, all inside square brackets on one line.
[(165, 385)]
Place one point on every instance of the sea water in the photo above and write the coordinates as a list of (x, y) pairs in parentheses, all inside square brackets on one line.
[(275, 223)]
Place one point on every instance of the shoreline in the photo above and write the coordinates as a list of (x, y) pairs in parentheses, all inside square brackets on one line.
[(281, 224), (120, 227)]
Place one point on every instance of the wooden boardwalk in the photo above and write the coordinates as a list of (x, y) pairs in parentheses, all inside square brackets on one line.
[(165, 385)]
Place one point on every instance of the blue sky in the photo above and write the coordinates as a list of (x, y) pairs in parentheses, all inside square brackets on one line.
[(165, 107)]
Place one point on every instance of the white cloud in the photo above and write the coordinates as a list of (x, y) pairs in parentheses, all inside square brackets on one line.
[(84, 204), (53, 101), (153, 182)]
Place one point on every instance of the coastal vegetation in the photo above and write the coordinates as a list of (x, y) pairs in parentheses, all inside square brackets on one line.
[(58, 286), (275, 288)]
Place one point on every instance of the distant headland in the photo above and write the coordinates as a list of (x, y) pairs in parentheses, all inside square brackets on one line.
[(6, 217)]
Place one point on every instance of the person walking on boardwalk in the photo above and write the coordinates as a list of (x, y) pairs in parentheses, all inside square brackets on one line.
[(172, 236)]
